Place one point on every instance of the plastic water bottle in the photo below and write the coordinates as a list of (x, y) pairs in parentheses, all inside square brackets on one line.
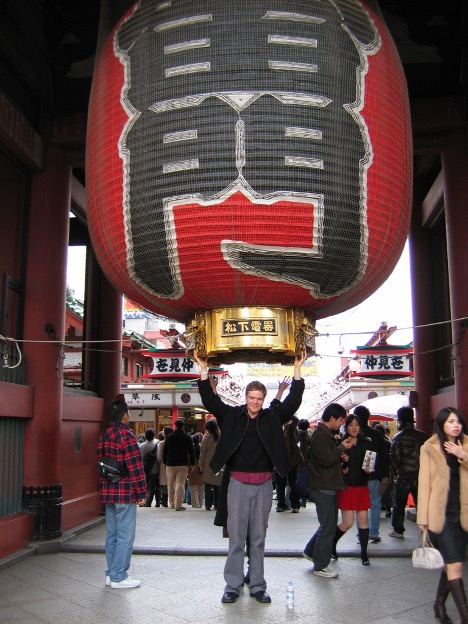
[(290, 595)]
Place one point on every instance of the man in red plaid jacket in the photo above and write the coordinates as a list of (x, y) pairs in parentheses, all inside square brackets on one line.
[(118, 442)]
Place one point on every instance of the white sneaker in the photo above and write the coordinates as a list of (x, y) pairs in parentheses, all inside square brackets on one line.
[(327, 572), (393, 533), (127, 583), (108, 581)]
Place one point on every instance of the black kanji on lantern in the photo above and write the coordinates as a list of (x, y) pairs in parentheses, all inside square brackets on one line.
[(255, 96)]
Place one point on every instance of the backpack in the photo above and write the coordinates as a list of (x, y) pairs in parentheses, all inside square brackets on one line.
[(150, 458)]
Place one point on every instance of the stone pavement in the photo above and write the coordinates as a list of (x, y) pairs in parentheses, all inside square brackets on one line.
[(179, 557)]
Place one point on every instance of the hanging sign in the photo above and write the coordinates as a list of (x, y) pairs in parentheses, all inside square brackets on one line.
[(384, 362), (171, 364), (163, 398)]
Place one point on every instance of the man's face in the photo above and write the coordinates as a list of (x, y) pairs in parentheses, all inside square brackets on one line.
[(254, 400), (335, 423)]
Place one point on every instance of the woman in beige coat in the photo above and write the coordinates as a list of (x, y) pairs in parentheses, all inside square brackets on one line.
[(443, 505)]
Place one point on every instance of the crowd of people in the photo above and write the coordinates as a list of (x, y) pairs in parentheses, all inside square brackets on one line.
[(248, 451), (177, 467)]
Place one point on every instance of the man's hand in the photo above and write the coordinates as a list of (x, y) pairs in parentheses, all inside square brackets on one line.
[(282, 386), (202, 362), (299, 360), (347, 443)]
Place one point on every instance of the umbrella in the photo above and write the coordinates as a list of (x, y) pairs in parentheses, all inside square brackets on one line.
[(386, 405)]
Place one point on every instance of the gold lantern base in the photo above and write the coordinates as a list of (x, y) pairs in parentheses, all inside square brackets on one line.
[(250, 334)]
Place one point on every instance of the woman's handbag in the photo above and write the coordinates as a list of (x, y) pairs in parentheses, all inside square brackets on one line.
[(427, 557), (302, 481)]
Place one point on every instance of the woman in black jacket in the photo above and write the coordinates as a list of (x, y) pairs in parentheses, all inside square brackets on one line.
[(355, 500)]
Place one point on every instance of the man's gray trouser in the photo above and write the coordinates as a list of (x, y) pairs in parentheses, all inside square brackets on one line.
[(248, 510)]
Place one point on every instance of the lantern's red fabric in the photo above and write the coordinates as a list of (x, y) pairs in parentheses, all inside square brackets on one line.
[(197, 228)]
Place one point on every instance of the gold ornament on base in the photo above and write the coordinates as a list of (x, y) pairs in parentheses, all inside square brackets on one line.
[(250, 334)]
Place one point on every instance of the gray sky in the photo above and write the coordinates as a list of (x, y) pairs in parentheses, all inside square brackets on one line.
[(390, 303)]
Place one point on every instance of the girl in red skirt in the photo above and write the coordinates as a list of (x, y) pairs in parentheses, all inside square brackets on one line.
[(355, 499)]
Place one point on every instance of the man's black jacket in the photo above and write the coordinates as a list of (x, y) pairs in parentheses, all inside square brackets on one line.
[(178, 449), (233, 422), (406, 447)]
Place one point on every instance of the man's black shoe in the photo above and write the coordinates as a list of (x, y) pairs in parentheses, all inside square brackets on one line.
[(261, 596), (229, 597)]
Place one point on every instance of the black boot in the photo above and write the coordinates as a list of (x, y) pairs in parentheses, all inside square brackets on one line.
[(338, 535), (441, 597), (458, 594), (364, 540)]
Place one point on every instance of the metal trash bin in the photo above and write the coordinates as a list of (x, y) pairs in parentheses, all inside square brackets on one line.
[(45, 505)]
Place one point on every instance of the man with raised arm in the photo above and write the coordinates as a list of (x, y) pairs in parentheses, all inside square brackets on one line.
[(251, 445)]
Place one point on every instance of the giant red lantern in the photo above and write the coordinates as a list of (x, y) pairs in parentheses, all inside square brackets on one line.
[(248, 155)]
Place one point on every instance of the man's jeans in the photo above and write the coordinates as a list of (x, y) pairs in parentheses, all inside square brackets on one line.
[(320, 545), (376, 508), (121, 525), (403, 488)]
